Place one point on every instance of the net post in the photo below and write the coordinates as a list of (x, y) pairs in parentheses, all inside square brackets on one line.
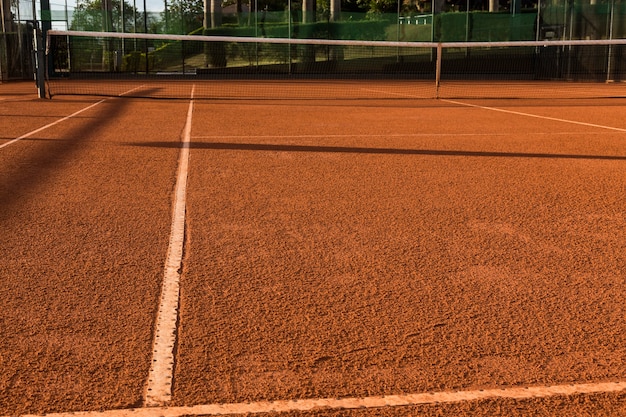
[(438, 69), (40, 60), (609, 70), (610, 49)]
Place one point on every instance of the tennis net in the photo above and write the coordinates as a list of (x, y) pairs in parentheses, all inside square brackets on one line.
[(218, 67)]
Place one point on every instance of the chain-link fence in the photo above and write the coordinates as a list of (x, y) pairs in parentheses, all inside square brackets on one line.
[(400, 20)]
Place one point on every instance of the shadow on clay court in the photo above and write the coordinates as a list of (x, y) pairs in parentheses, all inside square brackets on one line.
[(35, 168), (382, 151)]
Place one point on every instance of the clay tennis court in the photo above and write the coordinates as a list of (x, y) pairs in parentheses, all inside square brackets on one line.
[(363, 257)]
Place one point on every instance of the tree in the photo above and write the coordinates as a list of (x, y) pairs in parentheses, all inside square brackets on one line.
[(184, 16), (379, 6), (103, 15)]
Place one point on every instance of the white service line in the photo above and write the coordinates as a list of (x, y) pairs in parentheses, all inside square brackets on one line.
[(535, 115), (51, 124), (390, 135), (159, 385), (408, 400)]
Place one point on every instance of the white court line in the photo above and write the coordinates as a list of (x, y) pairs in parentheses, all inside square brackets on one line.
[(162, 373), (516, 393), (618, 129), (393, 135), (62, 119), (51, 124), (404, 95), (323, 135), (159, 385), (131, 90)]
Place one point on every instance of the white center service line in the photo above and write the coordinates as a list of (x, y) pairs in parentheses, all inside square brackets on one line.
[(618, 129), (159, 386), (407, 400)]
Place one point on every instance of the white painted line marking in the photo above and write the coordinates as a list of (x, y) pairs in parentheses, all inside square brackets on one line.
[(405, 95), (61, 120), (131, 90), (391, 135), (159, 385), (517, 393), (51, 124), (618, 129)]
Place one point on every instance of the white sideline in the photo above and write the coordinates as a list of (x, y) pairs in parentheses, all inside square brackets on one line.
[(518, 393), (159, 385)]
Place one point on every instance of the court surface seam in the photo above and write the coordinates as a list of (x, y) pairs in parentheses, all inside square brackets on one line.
[(159, 384), (618, 129), (407, 400)]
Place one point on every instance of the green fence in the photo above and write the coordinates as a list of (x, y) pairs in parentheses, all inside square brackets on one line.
[(404, 21)]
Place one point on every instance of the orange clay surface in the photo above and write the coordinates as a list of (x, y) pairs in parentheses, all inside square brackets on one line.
[(333, 249)]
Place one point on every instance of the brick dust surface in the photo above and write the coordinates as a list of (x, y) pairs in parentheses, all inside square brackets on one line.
[(333, 250), (85, 221), (342, 250)]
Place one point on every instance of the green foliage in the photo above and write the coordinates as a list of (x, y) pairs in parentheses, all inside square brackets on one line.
[(450, 27), (502, 26), (409, 33), (355, 30), (220, 54), (184, 16), (484, 27), (91, 15), (378, 7)]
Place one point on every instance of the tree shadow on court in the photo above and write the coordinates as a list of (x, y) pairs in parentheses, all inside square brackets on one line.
[(258, 147), (33, 170)]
